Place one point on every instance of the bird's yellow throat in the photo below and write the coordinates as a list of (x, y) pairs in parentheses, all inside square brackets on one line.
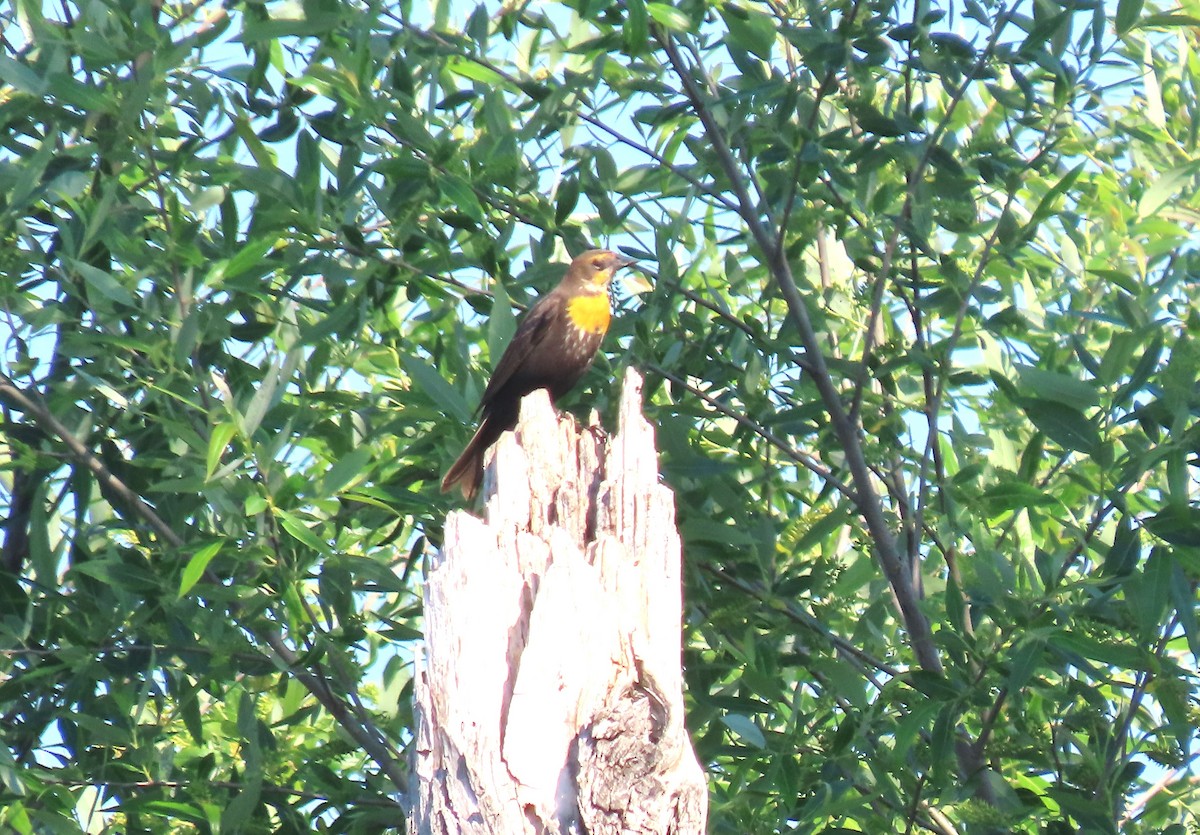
[(589, 312)]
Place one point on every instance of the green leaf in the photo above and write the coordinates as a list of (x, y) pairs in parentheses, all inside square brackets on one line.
[(1183, 597), (369, 496), (750, 30), (459, 192), (1149, 592), (1090, 815), (1015, 495), (170, 809), (441, 393), (301, 532), (567, 198), (501, 323), (268, 394), (1164, 20), (1025, 659), (820, 530), (933, 685), (1128, 12), (1108, 652), (379, 576), (636, 28), (221, 435), (1067, 427), (1121, 559), (22, 77), (872, 120), (119, 574), (255, 29), (103, 283), (308, 166), (250, 259), (745, 729), (954, 45), (1178, 524), (196, 565), (669, 17), (346, 469), (70, 185), (1057, 387), (13, 599), (1164, 187), (475, 71), (941, 737), (1047, 206), (709, 530), (954, 604)]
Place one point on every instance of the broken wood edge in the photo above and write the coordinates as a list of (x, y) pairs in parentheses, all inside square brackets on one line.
[(549, 694)]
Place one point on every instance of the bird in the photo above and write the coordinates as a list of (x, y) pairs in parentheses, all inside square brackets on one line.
[(554, 345)]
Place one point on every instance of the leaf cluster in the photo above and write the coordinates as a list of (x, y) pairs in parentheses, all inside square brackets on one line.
[(922, 355)]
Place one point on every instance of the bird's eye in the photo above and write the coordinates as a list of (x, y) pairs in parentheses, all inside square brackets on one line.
[(598, 263)]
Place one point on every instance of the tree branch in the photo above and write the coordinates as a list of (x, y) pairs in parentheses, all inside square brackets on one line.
[(364, 732), (31, 404), (869, 504)]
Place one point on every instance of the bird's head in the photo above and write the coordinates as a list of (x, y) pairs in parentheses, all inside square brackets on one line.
[(593, 270)]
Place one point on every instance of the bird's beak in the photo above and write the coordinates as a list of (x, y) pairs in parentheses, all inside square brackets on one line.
[(633, 282)]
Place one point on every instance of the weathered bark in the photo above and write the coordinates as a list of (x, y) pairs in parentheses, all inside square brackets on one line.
[(549, 698)]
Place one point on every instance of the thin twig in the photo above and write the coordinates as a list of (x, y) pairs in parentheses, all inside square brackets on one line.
[(853, 653), (804, 460), (910, 195), (270, 788)]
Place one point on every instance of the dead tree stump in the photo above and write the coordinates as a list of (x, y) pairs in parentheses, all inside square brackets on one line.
[(549, 697)]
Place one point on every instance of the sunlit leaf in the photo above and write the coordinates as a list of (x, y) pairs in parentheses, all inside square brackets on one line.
[(196, 565)]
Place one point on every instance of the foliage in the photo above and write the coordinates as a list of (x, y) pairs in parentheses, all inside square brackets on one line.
[(923, 357)]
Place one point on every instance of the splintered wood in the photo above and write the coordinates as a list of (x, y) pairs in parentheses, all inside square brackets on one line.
[(549, 698)]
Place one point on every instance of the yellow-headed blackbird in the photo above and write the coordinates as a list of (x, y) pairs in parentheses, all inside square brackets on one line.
[(554, 345)]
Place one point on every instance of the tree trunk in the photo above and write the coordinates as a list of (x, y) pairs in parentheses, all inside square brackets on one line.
[(549, 698)]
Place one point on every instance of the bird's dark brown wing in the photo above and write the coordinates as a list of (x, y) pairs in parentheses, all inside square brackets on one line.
[(529, 335)]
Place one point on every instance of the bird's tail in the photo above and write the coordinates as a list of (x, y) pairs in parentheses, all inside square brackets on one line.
[(467, 471)]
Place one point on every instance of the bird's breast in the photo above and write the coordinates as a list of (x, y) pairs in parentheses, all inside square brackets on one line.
[(589, 312)]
